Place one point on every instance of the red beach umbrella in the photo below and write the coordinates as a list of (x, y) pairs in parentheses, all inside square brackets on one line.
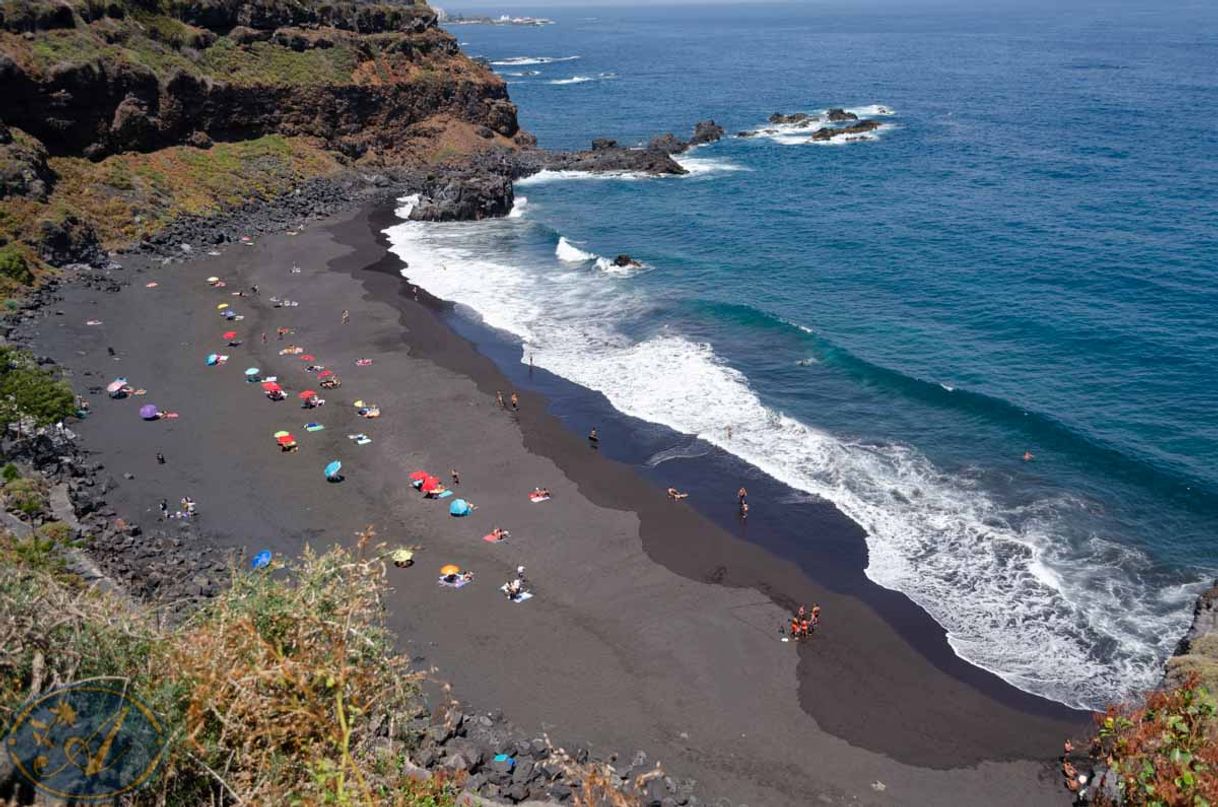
[(307, 394), (306, 357), (325, 374), (229, 335), (430, 484), (271, 386), (285, 440), (418, 476)]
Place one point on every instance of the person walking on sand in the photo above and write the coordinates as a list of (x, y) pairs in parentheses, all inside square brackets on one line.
[(515, 402), (264, 337), (499, 399), (346, 316), (160, 458), (164, 509), (456, 477)]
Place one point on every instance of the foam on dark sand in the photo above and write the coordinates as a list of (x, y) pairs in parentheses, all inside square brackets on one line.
[(653, 627)]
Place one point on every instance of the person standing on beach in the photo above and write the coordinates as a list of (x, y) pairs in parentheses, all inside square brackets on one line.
[(456, 477), (515, 402), (499, 399), (160, 458), (346, 316), (594, 438), (264, 337)]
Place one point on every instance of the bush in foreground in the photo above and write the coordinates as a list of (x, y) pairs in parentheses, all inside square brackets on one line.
[(1163, 753), (284, 690)]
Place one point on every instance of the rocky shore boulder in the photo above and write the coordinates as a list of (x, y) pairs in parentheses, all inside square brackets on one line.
[(1197, 651), (840, 115), (23, 166), (855, 130), (469, 197), (794, 118)]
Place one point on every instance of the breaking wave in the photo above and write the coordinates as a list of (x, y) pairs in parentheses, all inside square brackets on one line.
[(1080, 621), (518, 61)]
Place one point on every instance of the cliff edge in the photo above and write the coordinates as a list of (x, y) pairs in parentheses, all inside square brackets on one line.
[(1198, 650), (120, 116)]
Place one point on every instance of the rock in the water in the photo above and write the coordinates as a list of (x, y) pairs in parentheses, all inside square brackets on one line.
[(793, 118), (841, 115), (860, 128)]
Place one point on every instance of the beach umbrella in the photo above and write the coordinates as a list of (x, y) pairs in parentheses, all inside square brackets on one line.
[(251, 373), (285, 440), (359, 404), (222, 306), (281, 433), (307, 394), (261, 560), (230, 335), (402, 557), (149, 412), (450, 568), (332, 469), (460, 507), (417, 478), (116, 385), (430, 484), (213, 279), (271, 386), (325, 374), (307, 357), (213, 359)]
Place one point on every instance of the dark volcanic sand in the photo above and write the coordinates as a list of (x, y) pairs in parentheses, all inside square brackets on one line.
[(652, 627)]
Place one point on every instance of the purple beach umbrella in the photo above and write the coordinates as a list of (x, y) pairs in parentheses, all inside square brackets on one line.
[(149, 412)]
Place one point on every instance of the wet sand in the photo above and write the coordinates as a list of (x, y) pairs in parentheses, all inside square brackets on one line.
[(652, 626)]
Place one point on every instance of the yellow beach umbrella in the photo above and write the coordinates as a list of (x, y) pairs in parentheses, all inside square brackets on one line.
[(222, 306), (280, 434), (451, 568)]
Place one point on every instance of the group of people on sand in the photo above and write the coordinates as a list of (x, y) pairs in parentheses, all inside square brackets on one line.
[(512, 402), (805, 621)]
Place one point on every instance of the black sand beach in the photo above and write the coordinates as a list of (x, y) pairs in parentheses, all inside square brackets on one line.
[(653, 626)]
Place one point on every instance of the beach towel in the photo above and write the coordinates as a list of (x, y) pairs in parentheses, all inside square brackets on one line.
[(538, 499), (491, 539), (461, 581), (521, 597), (360, 439), (445, 494), (314, 427)]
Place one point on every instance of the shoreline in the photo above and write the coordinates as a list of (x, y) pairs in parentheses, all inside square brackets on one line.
[(834, 562), (688, 665)]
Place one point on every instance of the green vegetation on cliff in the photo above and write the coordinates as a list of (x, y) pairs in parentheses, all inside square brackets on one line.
[(121, 116)]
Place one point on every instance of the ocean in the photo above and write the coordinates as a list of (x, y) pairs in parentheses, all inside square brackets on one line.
[(1024, 257)]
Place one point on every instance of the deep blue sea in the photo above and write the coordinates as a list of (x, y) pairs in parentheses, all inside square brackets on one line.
[(1023, 258)]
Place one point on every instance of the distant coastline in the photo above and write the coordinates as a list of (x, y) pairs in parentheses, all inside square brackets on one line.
[(502, 19)]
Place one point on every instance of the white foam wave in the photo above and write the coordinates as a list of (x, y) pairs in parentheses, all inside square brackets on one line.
[(1075, 621), (547, 176), (519, 206), (566, 251), (516, 61), (520, 73), (800, 133), (583, 79), (704, 166)]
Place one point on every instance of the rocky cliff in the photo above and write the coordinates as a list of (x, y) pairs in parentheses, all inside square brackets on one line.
[(1198, 650), (117, 116)]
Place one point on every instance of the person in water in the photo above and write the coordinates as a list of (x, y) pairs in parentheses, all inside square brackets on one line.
[(593, 437), (676, 495), (1028, 456)]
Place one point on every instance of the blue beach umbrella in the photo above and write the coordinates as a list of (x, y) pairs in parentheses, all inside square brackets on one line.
[(332, 469), (213, 359), (261, 560), (460, 507)]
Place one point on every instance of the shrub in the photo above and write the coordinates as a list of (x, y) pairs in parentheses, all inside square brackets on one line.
[(30, 391), (57, 532), (10, 472), (26, 496), (1162, 753), (14, 266)]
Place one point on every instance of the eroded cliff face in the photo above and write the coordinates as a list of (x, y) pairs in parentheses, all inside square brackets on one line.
[(119, 116), (94, 79)]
